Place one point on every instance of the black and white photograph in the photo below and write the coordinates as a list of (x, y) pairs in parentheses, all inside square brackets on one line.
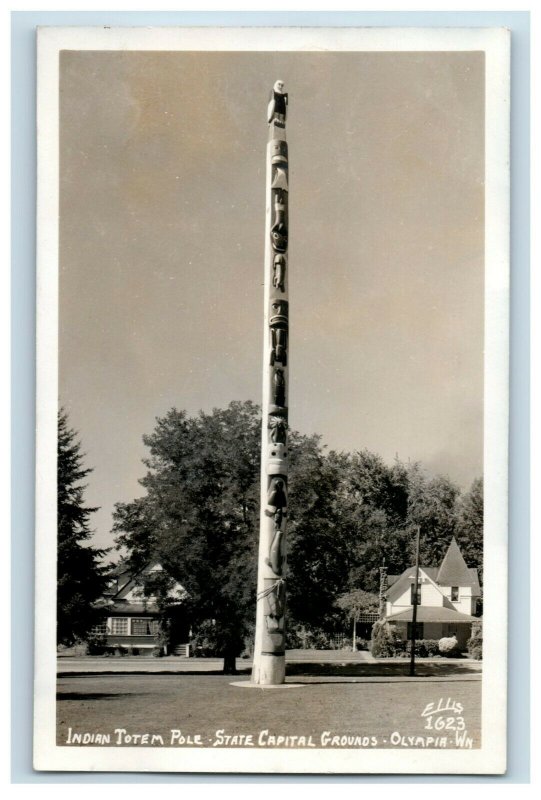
[(272, 375)]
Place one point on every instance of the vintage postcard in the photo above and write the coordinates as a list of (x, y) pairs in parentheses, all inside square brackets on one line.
[(273, 292)]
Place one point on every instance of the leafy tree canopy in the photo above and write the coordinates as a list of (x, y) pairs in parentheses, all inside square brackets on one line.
[(199, 516), (358, 602), (469, 526), (347, 512)]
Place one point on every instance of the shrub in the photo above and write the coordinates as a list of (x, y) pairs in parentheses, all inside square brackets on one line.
[(318, 640), (95, 644), (302, 637), (424, 648), (161, 637), (205, 641), (475, 642), (432, 647), (385, 640), (339, 642), (293, 637), (248, 641), (387, 644), (448, 646)]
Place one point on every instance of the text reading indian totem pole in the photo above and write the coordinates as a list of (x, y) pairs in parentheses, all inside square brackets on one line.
[(442, 726)]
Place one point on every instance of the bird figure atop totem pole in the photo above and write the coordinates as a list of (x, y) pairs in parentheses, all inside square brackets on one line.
[(278, 104)]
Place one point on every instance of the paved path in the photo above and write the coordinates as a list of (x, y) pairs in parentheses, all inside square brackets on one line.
[(330, 656), (324, 663), (140, 664)]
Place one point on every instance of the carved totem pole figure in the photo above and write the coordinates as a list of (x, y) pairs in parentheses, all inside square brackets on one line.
[(277, 497), (279, 387), (279, 231), (280, 179), (278, 322), (278, 151), (269, 649), (278, 429), (279, 272), (277, 109)]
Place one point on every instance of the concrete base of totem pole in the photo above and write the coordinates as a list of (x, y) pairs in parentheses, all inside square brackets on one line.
[(250, 685)]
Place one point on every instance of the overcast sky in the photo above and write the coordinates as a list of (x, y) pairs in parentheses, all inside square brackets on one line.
[(162, 240)]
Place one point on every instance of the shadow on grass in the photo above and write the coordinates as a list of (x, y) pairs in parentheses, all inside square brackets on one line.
[(380, 670), (138, 673), (91, 695)]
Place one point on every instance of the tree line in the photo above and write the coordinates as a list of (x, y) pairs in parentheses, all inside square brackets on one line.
[(198, 515)]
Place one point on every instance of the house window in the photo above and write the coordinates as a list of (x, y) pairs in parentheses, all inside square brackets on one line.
[(141, 627), (412, 599), (454, 594), (99, 630), (119, 626)]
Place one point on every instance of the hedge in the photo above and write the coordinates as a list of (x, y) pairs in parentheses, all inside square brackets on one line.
[(475, 642)]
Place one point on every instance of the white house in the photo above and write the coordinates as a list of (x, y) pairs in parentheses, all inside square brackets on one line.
[(446, 601)]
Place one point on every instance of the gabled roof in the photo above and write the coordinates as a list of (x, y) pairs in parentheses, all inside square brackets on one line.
[(431, 572), (128, 583), (454, 570), (407, 578), (116, 582)]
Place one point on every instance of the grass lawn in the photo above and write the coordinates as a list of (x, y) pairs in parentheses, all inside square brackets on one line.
[(199, 705)]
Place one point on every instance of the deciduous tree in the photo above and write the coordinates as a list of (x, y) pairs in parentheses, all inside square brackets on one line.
[(199, 516), (356, 603), (469, 526)]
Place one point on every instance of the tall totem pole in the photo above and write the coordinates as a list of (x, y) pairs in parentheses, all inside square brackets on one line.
[(269, 649)]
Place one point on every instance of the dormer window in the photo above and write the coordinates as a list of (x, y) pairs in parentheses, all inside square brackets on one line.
[(454, 594)]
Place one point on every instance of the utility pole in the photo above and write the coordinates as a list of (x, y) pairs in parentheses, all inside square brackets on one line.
[(415, 599), (382, 589), (269, 647)]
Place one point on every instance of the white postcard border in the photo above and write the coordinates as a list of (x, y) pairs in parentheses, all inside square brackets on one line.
[(490, 758)]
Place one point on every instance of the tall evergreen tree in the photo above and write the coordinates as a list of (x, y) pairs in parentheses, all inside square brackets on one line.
[(81, 577)]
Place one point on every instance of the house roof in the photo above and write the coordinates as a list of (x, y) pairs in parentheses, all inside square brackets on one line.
[(475, 587), (410, 573), (118, 579), (454, 570), (431, 614), (407, 578), (123, 607), (125, 583)]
